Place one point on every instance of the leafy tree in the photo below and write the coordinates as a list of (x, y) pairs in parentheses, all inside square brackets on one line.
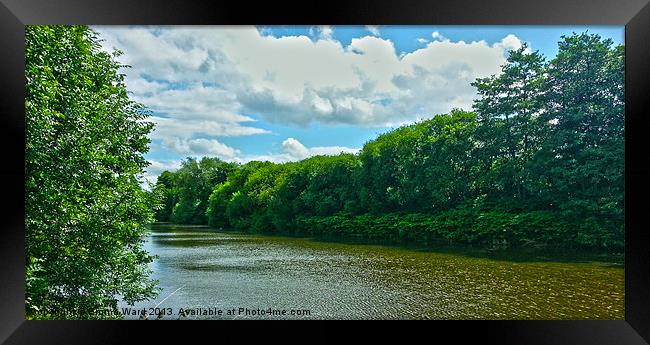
[(509, 110), (247, 205), (85, 213), (193, 183), (165, 187), (426, 166), (221, 212), (582, 160), (451, 164), (330, 188)]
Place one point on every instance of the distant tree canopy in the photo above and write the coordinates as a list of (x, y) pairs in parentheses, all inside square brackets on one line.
[(85, 213), (186, 191), (538, 161)]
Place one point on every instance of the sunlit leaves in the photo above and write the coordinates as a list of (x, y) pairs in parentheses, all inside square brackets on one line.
[(85, 213)]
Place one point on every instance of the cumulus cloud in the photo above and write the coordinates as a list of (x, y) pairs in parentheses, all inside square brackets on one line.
[(510, 42), (325, 82), (158, 166), (200, 147), (183, 77), (293, 150), (171, 127), (326, 32), (219, 74)]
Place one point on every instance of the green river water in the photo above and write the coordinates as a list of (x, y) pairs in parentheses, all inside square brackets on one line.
[(203, 272)]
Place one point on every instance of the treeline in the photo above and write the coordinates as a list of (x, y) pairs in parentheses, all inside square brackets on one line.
[(539, 161)]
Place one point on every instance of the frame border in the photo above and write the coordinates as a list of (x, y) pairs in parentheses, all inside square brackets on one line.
[(634, 14)]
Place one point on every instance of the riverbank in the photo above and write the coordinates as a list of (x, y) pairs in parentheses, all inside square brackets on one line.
[(514, 254), (489, 228)]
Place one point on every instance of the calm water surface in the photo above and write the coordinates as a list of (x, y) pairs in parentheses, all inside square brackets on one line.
[(199, 267)]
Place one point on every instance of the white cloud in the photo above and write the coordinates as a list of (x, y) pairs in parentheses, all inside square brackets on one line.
[(325, 82), (479, 58), (156, 167), (216, 75), (330, 150), (293, 150), (188, 83), (170, 127), (510, 42), (373, 29), (200, 147)]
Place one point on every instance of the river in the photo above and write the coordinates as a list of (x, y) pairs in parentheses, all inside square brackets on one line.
[(208, 274)]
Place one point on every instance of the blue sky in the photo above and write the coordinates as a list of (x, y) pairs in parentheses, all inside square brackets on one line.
[(284, 93), (405, 37)]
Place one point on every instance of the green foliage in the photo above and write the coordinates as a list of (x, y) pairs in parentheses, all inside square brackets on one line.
[(582, 160), (539, 162), (188, 189), (426, 166), (511, 131), (85, 213), (461, 225), (164, 188)]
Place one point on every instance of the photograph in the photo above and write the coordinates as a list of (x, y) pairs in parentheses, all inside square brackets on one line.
[(345, 172)]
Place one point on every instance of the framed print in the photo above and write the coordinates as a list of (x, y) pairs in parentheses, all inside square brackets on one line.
[(361, 161)]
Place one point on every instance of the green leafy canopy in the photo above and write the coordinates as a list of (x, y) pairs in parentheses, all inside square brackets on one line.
[(85, 213)]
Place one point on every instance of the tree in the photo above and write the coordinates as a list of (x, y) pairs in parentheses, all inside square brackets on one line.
[(581, 163), (165, 188), (85, 213), (509, 110), (193, 184), (423, 167)]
